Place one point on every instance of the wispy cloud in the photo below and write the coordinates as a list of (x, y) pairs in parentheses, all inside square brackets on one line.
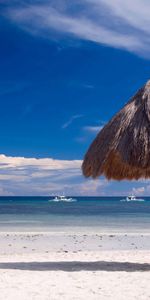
[(82, 85), (93, 129), (139, 190), (87, 86), (70, 121), (119, 24), (88, 132), (134, 14)]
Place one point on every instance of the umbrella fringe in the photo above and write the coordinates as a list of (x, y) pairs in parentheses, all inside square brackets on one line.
[(115, 168)]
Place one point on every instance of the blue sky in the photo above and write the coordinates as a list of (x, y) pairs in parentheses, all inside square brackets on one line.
[(66, 68)]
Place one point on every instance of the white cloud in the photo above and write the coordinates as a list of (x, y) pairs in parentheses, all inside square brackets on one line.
[(88, 132), (45, 176), (39, 163), (12, 177), (70, 121), (136, 14), (92, 187), (120, 24), (138, 190), (93, 129)]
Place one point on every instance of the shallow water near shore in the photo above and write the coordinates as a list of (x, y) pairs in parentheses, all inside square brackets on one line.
[(99, 214)]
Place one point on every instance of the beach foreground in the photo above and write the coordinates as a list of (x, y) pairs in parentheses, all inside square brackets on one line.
[(81, 265)]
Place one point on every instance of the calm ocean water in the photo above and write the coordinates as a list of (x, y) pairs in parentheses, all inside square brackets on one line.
[(37, 213)]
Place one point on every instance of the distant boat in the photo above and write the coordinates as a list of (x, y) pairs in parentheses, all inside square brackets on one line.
[(132, 198), (62, 199)]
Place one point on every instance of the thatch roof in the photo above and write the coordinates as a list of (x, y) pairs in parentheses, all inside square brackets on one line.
[(122, 148)]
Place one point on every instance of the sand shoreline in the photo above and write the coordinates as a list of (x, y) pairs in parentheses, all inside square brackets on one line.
[(74, 266)]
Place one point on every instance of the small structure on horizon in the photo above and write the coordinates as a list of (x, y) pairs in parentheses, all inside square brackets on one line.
[(121, 150)]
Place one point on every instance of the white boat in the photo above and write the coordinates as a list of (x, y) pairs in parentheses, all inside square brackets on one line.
[(133, 198), (62, 199)]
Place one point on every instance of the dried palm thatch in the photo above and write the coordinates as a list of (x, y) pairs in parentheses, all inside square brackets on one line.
[(122, 148)]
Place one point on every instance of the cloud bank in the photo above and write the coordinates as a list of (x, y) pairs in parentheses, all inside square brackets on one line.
[(21, 176), (45, 176), (120, 24)]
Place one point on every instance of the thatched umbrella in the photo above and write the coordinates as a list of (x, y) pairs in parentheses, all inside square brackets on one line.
[(122, 148)]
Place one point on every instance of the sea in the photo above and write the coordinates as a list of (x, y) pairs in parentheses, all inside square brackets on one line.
[(102, 214)]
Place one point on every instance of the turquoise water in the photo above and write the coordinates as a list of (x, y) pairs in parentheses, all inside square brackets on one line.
[(37, 213)]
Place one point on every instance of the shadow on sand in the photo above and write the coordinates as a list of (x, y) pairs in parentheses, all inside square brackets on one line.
[(76, 266)]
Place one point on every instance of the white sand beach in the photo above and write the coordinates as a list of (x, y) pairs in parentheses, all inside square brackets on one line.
[(73, 266)]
